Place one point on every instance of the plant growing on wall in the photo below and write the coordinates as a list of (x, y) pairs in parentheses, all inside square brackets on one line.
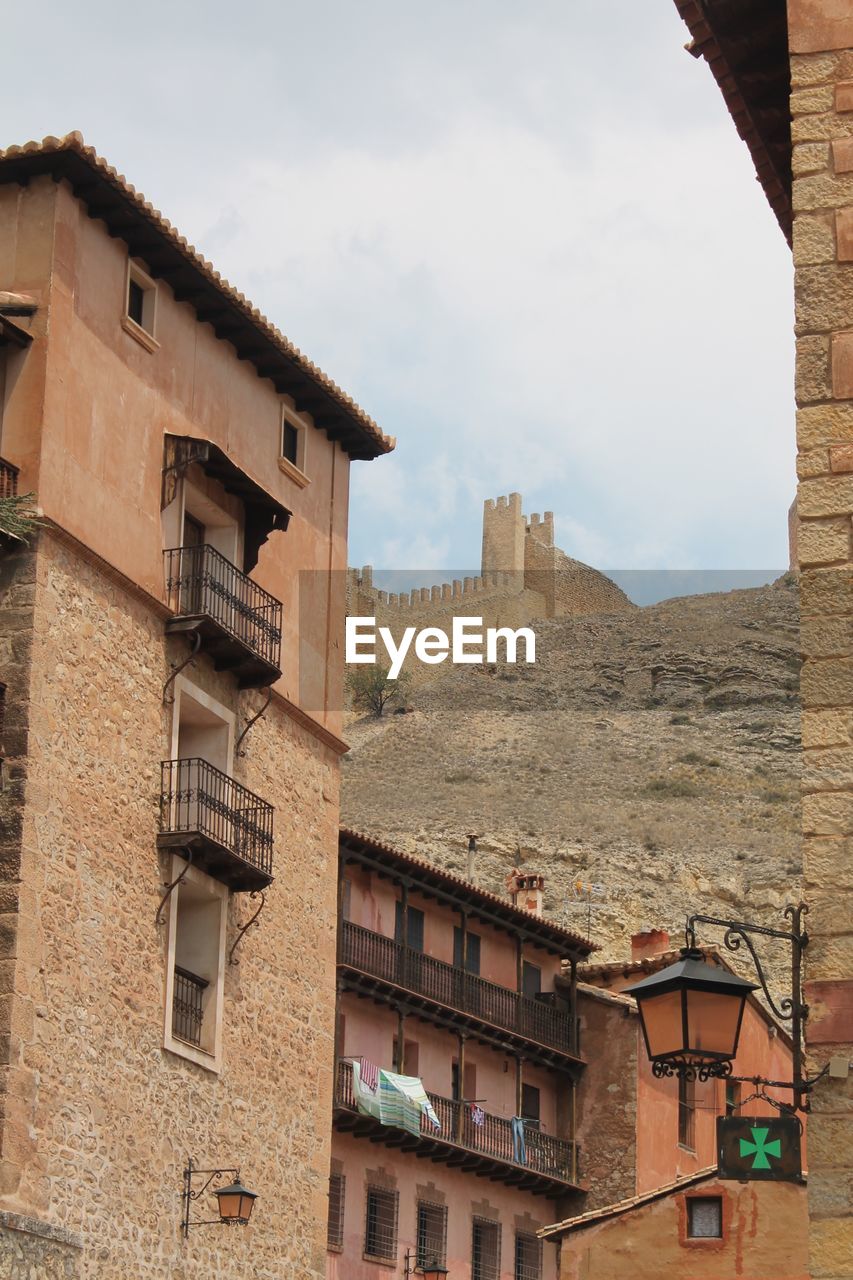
[(371, 689), (18, 519)]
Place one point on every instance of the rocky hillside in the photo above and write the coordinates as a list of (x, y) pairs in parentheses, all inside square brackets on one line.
[(652, 754)]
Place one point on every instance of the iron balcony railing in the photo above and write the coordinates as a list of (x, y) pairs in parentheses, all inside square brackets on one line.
[(188, 1005), (201, 582), (539, 1153), (202, 806), (8, 479), (383, 957)]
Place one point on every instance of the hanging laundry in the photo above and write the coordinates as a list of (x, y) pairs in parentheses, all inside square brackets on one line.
[(478, 1116), (519, 1151), (399, 1101), (369, 1075)]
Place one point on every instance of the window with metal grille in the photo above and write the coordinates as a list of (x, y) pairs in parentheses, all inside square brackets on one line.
[(485, 1250), (528, 1257), (380, 1230), (432, 1234), (687, 1113), (337, 1195), (705, 1217), (188, 1005)]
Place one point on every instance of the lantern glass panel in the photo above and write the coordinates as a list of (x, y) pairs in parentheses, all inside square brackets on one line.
[(713, 1020), (663, 1023), (230, 1205)]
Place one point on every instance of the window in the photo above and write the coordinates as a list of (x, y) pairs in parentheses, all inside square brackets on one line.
[(530, 1102), (415, 927), (486, 1250), (410, 1056), (380, 1231), (432, 1233), (469, 1084), (337, 1195), (705, 1217), (346, 899), (472, 951), (531, 979), (292, 449), (528, 1257), (733, 1094), (196, 965), (687, 1113), (140, 306)]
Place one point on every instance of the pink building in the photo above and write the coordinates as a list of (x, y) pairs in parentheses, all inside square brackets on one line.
[(440, 980)]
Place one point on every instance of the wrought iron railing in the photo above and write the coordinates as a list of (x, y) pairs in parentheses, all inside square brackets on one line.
[(187, 1005), (8, 479), (495, 1138), (447, 985), (196, 798), (200, 581)]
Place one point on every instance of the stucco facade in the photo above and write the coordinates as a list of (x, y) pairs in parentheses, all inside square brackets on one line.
[(106, 1090), (763, 1233), (492, 1034)]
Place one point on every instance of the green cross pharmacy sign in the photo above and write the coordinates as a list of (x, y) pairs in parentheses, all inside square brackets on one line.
[(765, 1148)]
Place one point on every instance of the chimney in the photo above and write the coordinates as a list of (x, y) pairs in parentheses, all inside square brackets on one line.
[(648, 943), (472, 853), (526, 890)]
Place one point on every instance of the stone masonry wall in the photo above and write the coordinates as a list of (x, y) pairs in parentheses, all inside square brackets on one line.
[(104, 1117), (523, 577), (822, 133), (607, 1100)]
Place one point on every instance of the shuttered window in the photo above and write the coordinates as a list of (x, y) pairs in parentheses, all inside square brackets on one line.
[(337, 1197)]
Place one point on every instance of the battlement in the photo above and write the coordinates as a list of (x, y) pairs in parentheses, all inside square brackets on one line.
[(540, 527), (459, 589)]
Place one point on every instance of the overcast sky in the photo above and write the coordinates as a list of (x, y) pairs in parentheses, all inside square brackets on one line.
[(526, 238)]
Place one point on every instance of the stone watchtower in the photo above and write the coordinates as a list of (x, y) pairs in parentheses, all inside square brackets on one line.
[(503, 536)]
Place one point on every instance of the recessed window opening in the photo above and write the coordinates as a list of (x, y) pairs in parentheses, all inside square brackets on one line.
[(380, 1231), (141, 301), (196, 965), (687, 1113), (705, 1217), (414, 926), (337, 1202), (530, 1104), (203, 734), (485, 1250), (432, 1233), (528, 1257)]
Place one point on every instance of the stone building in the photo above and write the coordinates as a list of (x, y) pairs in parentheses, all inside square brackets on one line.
[(523, 576), (786, 75), (171, 745)]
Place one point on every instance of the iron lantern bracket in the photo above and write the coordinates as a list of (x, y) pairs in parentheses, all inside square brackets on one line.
[(191, 1193), (790, 1008)]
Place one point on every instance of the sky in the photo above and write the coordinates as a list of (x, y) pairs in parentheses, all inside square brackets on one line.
[(526, 239)]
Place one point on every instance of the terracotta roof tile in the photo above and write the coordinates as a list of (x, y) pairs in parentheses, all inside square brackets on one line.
[(624, 1206), (23, 157)]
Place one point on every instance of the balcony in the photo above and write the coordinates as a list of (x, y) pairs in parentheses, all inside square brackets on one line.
[(453, 997), (239, 623), (549, 1166), (8, 479), (225, 828)]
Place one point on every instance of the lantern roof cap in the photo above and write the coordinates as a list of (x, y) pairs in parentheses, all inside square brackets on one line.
[(236, 1188), (691, 971)]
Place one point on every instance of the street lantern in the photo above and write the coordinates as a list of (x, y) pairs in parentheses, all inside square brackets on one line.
[(235, 1202), (430, 1269), (691, 1013)]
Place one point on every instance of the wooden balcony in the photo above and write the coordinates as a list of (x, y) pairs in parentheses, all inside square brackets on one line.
[(8, 479), (225, 828), (375, 964), (239, 623), (546, 1165)]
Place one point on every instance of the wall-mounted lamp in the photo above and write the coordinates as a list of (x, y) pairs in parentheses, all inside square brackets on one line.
[(235, 1201), (430, 1269)]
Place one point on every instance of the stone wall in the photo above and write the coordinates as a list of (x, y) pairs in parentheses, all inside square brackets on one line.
[(102, 1116), (607, 1098), (821, 40), (523, 577)]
